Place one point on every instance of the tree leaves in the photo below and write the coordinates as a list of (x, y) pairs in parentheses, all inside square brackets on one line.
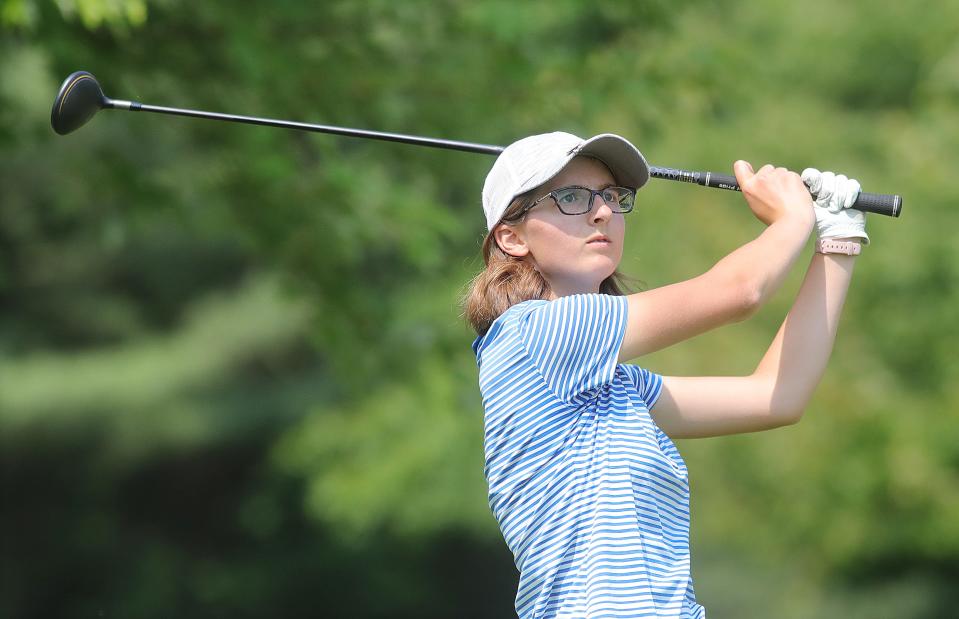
[(177, 291)]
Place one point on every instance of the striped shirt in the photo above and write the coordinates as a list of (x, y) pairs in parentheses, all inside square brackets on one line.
[(591, 496)]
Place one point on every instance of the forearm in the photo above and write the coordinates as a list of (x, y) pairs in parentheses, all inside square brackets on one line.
[(797, 357), (763, 263)]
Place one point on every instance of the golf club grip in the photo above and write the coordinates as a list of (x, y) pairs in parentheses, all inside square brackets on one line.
[(879, 203)]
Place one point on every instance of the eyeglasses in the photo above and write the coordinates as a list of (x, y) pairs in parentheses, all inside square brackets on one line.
[(575, 200)]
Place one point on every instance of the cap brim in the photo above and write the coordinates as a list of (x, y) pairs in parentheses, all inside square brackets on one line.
[(624, 160)]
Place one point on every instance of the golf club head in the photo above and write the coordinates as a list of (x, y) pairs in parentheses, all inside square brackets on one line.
[(80, 97)]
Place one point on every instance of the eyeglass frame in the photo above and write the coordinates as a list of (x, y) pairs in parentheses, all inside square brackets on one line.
[(592, 196)]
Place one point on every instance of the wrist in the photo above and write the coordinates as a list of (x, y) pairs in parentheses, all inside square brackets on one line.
[(797, 221), (848, 247), (807, 216)]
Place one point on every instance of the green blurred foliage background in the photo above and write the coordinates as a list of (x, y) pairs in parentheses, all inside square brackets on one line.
[(233, 378)]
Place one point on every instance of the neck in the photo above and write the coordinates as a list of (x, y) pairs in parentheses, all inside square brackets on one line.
[(565, 289)]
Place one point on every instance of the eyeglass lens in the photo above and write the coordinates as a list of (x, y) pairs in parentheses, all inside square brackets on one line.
[(576, 200)]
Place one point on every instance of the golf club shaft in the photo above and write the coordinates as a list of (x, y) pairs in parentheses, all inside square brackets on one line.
[(882, 204), (487, 149)]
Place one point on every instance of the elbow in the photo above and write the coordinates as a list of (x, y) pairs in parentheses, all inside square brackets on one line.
[(735, 296), (747, 300), (788, 417), (781, 405), (789, 412)]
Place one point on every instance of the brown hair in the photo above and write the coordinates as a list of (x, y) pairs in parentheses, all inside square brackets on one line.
[(508, 280)]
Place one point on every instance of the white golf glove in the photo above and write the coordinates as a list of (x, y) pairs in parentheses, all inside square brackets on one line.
[(835, 195)]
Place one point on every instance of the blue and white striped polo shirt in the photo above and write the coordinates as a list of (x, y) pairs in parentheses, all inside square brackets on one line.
[(592, 498)]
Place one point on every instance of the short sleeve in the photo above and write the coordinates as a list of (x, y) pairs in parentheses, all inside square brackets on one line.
[(649, 384), (574, 341)]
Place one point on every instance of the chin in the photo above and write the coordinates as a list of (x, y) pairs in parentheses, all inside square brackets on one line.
[(600, 279), (606, 271)]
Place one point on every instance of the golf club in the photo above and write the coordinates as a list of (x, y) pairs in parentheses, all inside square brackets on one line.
[(80, 97)]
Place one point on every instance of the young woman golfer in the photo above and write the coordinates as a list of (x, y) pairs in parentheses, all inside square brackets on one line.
[(588, 489)]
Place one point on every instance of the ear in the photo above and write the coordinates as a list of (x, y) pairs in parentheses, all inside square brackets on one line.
[(510, 241)]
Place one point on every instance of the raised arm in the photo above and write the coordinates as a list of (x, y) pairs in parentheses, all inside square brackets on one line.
[(783, 383), (738, 284)]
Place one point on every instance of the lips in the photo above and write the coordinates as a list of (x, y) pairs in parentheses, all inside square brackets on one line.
[(600, 238)]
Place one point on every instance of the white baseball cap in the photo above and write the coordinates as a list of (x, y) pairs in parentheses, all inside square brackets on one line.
[(530, 162)]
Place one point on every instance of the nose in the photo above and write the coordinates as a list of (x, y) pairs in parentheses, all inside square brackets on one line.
[(600, 211)]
